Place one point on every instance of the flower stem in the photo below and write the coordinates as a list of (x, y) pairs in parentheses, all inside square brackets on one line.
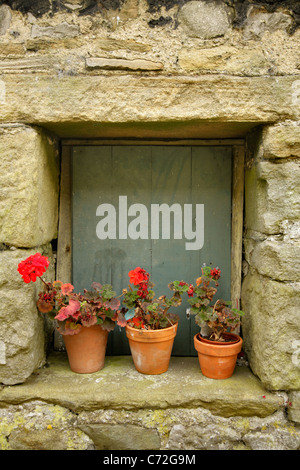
[(45, 283)]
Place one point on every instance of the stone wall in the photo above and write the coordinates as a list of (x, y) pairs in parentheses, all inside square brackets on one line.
[(153, 69), (28, 223), (272, 257)]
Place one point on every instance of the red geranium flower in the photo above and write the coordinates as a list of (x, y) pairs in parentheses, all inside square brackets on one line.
[(138, 275), (215, 273), (138, 322), (190, 292), (142, 293), (32, 267)]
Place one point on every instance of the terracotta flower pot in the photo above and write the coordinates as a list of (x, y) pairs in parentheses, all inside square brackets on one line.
[(151, 349), (218, 359), (86, 350)]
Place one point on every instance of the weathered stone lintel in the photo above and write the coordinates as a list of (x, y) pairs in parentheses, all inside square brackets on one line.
[(130, 97)]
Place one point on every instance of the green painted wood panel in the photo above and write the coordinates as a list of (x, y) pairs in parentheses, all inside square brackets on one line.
[(145, 177)]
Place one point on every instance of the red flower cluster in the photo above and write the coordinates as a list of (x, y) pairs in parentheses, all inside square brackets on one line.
[(190, 292), (215, 273), (32, 267), (140, 277), (138, 322)]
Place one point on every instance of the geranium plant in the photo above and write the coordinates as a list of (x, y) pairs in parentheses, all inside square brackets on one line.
[(73, 310), (144, 310), (219, 316)]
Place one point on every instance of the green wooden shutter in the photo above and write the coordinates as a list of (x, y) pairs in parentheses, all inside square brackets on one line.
[(150, 175)]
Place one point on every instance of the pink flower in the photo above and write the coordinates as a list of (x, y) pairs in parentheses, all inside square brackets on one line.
[(89, 320), (66, 289)]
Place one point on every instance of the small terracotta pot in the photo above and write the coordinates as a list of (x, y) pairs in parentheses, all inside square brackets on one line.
[(218, 359), (86, 350), (151, 349)]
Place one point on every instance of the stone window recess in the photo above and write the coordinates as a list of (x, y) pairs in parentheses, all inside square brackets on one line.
[(81, 250)]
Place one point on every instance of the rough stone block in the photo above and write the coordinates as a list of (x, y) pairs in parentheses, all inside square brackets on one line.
[(204, 20), (259, 21), (5, 19), (277, 259), (271, 196), (122, 64), (226, 59), (9, 50), (271, 330), (39, 426), (59, 31), (294, 397), (211, 437), (76, 5), (273, 434), (210, 432), (122, 436), (22, 343), (28, 187), (282, 140)]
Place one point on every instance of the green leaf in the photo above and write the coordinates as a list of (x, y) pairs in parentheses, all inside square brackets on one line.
[(130, 314)]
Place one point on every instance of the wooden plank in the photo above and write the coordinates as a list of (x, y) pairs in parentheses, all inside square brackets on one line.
[(64, 245), (142, 141), (131, 177), (91, 176), (100, 176), (237, 224), (171, 184), (211, 185)]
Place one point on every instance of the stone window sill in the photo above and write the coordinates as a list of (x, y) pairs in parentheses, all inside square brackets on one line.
[(119, 386)]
